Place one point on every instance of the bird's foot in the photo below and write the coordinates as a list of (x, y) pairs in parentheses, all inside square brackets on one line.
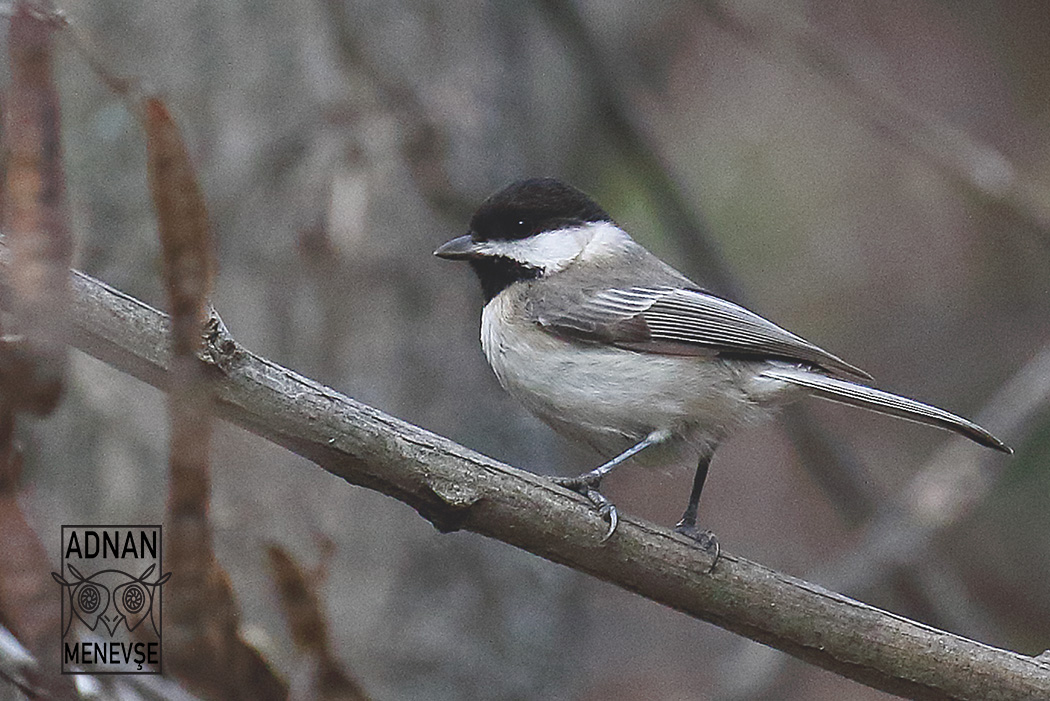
[(587, 484), (705, 540)]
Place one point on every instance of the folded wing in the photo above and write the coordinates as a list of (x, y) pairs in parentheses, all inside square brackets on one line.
[(680, 321)]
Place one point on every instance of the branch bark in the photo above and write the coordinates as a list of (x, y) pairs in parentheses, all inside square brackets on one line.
[(455, 488)]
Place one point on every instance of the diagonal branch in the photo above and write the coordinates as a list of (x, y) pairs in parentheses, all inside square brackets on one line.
[(455, 488)]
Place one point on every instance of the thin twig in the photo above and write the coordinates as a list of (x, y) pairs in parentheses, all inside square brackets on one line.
[(324, 675), (128, 87)]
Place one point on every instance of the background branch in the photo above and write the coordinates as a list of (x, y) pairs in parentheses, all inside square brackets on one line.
[(961, 157), (455, 488)]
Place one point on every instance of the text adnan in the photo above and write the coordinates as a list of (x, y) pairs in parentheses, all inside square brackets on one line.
[(114, 543)]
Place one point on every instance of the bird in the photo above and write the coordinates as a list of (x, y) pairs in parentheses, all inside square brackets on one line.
[(609, 345)]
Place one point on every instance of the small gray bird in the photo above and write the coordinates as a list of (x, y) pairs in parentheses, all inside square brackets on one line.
[(608, 344)]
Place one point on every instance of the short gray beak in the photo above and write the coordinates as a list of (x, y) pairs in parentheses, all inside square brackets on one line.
[(459, 248)]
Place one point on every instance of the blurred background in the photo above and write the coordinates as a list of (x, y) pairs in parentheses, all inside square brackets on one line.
[(874, 176)]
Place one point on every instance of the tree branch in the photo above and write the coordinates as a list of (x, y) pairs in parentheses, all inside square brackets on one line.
[(456, 488)]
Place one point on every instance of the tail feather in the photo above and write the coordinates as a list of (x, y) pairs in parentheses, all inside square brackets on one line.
[(885, 403)]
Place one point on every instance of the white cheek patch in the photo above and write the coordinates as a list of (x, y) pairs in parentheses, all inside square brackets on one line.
[(552, 251)]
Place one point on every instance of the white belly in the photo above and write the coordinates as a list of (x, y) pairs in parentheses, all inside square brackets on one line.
[(612, 398)]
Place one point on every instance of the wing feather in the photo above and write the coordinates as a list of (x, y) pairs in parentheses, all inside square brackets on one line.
[(681, 321)]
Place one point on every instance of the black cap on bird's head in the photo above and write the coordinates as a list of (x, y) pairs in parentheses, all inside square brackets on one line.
[(519, 211), (532, 206)]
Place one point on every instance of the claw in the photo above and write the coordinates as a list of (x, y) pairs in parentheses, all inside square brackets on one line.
[(608, 511), (587, 485), (705, 540)]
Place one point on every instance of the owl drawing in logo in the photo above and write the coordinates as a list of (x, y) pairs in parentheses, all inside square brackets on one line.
[(111, 597)]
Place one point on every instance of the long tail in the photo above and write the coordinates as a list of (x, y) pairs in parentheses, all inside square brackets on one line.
[(885, 403)]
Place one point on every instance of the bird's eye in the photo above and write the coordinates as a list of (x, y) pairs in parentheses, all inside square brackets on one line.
[(519, 226)]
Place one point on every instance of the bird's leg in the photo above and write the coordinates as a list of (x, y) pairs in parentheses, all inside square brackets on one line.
[(587, 484), (687, 526), (594, 477)]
